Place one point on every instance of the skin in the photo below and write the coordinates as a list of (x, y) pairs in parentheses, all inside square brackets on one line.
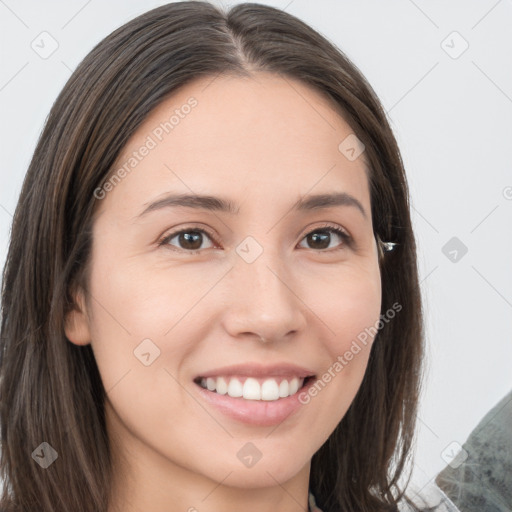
[(262, 142)]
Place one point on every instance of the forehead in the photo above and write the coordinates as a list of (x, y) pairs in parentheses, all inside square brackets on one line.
[(266, 135)]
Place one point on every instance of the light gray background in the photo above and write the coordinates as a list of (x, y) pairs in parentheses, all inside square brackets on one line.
[(452, 118)]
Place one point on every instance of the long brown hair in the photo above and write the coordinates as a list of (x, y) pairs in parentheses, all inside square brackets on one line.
[(50, 388)]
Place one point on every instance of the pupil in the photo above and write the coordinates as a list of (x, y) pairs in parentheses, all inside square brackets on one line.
[(323, 236)]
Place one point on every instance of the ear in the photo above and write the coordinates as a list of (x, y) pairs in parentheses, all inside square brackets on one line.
[(77, 322)]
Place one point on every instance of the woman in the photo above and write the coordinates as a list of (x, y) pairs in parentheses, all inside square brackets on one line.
[(211, 300)]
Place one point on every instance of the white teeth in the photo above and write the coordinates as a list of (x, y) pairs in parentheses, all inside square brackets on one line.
[(235, 389), (294, 386), (269, 390), (251, 389), (221, 386), (283, 389)]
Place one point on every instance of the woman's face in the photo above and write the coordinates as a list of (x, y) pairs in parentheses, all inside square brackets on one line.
[(167, 310)]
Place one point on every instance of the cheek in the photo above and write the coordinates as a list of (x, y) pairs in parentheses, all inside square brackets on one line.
[(355, 316), (147, 287), (145, 321), (351, 312), (351, 309)]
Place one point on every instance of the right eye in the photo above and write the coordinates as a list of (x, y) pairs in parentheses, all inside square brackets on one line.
[(190, 240)]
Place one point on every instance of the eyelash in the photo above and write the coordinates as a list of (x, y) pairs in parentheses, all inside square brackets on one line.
[(347, 239)]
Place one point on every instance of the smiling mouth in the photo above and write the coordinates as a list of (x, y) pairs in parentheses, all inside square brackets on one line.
[(250, 388)]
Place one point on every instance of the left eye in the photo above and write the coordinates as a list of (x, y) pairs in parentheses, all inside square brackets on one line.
[(190, 240), (323, 237)]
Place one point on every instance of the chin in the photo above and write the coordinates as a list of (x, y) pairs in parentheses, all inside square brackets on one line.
[(262, 474)]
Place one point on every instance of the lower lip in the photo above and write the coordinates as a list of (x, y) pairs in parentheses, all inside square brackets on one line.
[(255, 412)]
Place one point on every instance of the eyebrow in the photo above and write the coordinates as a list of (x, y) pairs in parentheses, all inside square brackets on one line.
[(219, 204)]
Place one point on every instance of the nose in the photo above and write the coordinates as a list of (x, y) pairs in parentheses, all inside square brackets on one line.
[(263, 300)]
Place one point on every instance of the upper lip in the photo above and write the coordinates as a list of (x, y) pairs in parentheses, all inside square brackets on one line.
[(260, 370)]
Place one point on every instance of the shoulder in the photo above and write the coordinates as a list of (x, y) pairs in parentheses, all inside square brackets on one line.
[(482, 476), (430, 497)]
